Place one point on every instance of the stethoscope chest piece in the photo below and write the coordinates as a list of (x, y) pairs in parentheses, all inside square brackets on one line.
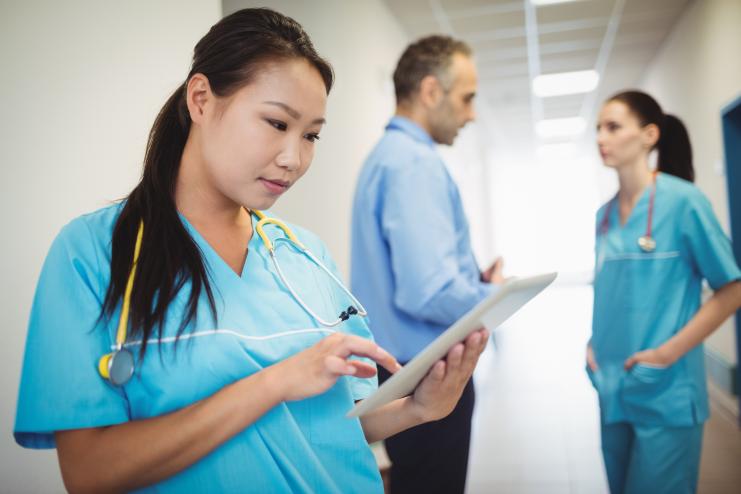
[(647, 243), (118, 367)]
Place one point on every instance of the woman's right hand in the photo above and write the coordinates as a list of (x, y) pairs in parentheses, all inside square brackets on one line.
[(316, 369), (144, 452), (591, 361)]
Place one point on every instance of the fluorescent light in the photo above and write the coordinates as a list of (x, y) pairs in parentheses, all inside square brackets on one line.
[(540, 3), (560, 127), (581, 81), (556, 151)]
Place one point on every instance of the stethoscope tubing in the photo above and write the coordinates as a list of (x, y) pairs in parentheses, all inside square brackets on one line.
[(360, 309), (646, 242), (118, 367)]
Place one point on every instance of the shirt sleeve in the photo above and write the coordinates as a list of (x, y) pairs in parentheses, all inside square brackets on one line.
[(417, 219), (709, 248), (60, 386)]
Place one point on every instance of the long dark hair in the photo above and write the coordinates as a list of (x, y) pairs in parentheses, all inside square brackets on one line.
[(675, 150), (229, 55)]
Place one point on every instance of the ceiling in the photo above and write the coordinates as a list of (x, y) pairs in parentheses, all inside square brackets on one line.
[(514, 41)]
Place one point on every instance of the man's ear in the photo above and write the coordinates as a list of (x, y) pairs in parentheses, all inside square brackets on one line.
[(430, 91), (198, 94)]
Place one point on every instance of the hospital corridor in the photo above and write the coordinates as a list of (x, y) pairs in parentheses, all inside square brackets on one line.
[(257, 246), (536, 425)]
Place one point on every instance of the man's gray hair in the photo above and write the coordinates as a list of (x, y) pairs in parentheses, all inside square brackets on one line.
[(431, 55)]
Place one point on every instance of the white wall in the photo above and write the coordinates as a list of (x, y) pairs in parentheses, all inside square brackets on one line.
[(695, 74), (362, 41), (82, 82)]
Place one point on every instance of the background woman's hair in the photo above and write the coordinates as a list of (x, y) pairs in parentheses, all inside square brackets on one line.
[(229, 55), (675, 150)]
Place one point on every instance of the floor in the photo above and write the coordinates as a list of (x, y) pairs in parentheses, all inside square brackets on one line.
[(536, 420), (720, 468)]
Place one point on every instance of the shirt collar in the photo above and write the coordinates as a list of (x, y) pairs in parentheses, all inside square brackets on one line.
[(410, 128)]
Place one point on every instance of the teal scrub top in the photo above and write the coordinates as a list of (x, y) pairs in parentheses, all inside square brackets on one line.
[(642, 299), (303, 446)]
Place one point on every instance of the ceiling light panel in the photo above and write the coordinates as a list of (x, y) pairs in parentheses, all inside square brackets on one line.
[(581, 81), (556, 128)]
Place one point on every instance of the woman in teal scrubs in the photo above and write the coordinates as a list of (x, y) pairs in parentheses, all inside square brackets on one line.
[(236, 386), (657, 240)]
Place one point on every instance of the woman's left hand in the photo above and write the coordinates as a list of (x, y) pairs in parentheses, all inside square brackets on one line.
[(439, 392), (653, 356)]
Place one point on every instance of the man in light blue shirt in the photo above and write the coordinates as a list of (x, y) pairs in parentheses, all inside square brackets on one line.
[(412, 263)]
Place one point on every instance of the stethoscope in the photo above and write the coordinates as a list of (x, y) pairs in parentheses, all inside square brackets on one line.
[(355, 309), (118, 366), (646, 242)]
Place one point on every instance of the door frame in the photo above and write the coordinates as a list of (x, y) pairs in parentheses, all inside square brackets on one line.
[(731, 123)]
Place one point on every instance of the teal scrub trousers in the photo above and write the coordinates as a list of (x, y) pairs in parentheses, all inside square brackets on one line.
[(642, 459)]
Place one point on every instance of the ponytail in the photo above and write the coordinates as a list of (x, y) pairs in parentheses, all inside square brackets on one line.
[(675, 151), (169, 255)]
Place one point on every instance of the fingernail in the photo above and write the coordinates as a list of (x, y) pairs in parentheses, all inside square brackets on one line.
[(351, 369)]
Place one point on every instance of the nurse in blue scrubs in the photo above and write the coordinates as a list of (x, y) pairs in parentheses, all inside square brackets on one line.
[(657, 241), (241, 374)]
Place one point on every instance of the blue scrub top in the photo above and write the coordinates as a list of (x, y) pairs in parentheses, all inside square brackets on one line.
[(643, 299), (303, 446), (412, 263)]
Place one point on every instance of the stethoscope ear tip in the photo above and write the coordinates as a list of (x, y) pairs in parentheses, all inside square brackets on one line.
[(350, 311)]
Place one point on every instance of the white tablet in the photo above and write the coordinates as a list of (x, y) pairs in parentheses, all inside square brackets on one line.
[(490, 312)]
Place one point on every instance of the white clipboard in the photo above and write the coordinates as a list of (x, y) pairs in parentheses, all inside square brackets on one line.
[(490, 312)]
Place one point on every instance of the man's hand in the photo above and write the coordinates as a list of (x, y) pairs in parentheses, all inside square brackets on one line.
[(494, 273)]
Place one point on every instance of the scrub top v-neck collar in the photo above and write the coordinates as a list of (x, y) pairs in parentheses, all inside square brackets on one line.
[(218, 262), (614, 211)]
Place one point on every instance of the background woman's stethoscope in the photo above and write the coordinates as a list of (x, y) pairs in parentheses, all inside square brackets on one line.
[(645, 242), (118, 366)]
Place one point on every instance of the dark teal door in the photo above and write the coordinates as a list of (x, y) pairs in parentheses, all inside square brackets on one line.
[(731, 116)]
